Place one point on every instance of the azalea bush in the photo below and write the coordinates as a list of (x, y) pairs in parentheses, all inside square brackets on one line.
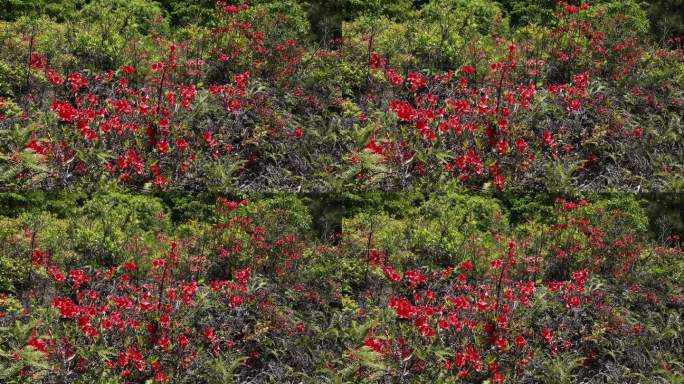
[(485, 118), (249, 293)]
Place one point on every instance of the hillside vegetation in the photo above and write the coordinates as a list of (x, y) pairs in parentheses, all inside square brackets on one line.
[(446, 288), (285, 95)]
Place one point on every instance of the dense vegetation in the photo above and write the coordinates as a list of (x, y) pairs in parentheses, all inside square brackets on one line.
[(341, 191), (113, 287), (287, 95)]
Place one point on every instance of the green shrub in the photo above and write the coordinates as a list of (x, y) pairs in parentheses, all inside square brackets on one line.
[(447, 224), (12, 78), (621, 19), (12, 274), (61, 10), (111, 224), (286, 213)]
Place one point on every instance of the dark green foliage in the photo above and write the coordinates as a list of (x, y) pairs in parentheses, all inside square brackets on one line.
[(397, 9), (123, 16), (521, 12), (184, 12), (532, 207), (329, 209), (394, 204), (666, 212), (667, 17), (326, 19), (61, 10), (326, 16), (185, 207), (58, 204)]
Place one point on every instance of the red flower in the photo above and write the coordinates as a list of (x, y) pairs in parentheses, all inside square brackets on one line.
[(234, 105), (89, 330), (54, 77), (243, 275), (55, 273), (241, 80), (374, 147), (209, 334), (415, 278), (521, 144), (77, 81), (574, 105), (392, 274), (377, 62), (156, 67), (231, 204), (573, 301), (472, 357), (549, 140), (404, 110), (39, 258), (374, 345), (38, 61), (520, 341), (65, 111), (496, 66), (209, 138), (164, 342), (501, 343), (163, 146), (135, 357), (161, 377), (216, 89), (427, 331), (127, 69), (571, 9), (402, 307), (78, 277), (236, 301), (393, 78), (66, 307), (499, 182), (417, 81), (39, 345), (376, 258), (135, 161), (182, 144), (468, 70), (183, 341), (38, 147), (502, 146), (158, 263), (160, 181), (425, 131)]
